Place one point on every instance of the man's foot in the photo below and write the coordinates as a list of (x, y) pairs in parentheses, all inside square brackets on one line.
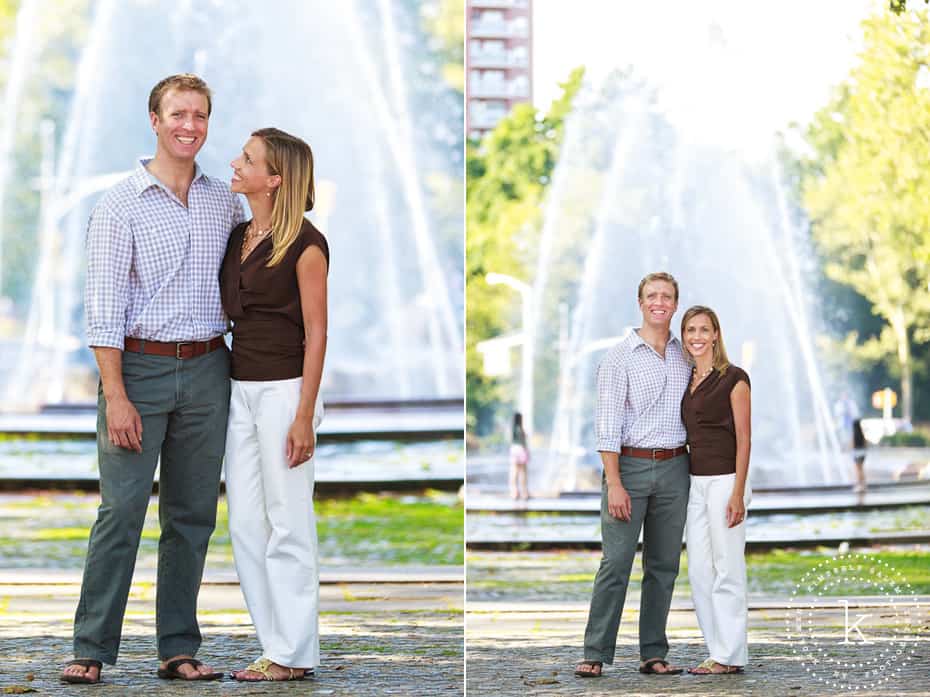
[(82, 671), (186, 668), (658, 666), (265, 669), (711, 667), (589, 669)]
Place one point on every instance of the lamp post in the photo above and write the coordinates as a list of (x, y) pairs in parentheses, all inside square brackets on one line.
[(529, 340)]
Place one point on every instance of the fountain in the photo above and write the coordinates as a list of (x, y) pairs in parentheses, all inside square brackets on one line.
[(358, 80), (632, 194)]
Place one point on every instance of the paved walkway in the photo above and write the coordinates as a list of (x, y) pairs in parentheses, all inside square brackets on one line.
[(376, 639), (526, 616), (531, 650)]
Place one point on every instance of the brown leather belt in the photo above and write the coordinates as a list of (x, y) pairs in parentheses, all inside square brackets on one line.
[(653, 453), (181, 350)]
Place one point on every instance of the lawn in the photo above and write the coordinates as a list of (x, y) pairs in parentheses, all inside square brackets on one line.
[(51, 530), (569, 575)]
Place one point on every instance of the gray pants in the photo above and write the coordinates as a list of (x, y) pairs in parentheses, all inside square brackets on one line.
[(659, 495), (184, 405)]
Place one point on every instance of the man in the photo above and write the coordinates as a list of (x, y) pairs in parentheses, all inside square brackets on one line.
[(155, 243), (641, 439)]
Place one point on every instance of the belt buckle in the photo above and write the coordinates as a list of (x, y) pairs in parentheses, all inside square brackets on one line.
[(656, 450), (178, 347)]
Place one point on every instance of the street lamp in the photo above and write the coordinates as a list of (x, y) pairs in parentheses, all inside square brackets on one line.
[(529, 340)]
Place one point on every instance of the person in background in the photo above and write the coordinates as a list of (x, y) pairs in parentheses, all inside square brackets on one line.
[(519, 460), (859, 445)]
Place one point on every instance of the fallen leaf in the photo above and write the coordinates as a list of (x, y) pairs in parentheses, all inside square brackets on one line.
[(30, 676), (541, 681), (18, 690)]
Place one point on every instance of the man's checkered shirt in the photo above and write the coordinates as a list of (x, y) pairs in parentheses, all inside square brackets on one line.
[(639, 396), (153, 265)]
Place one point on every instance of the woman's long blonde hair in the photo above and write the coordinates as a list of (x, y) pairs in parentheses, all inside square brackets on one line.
[(292, 159), (721, 362)]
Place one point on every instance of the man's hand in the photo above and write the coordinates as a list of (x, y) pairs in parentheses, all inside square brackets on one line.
[(124, 425), (618, 502)]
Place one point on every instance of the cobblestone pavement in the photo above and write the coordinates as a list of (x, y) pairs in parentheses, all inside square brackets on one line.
[(526, 615), (530, 649), (376, 639)]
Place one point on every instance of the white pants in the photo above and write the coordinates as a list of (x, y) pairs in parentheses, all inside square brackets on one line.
[(717, 568), (271, 521)]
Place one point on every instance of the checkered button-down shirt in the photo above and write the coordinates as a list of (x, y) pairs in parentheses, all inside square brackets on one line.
[(639, 396), (153, 265)]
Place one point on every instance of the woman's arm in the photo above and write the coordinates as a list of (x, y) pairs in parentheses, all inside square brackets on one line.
[(311, 281), (740, 402)]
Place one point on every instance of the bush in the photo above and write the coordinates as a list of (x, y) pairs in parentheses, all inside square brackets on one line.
[(913, 439)]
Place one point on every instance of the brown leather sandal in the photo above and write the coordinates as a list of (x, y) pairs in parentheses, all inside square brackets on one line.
[(83, 679), (171, 672), (589, 673), (649, 667)]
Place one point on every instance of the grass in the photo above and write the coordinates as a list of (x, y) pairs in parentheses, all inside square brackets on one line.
[(427, 529), (570, 575), (779, 571)]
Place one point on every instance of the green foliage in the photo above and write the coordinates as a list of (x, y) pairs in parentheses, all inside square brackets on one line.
[(446, 22), (864, 189), (914, 439), (61, 30), (507, 177), (7, 14), (899, 6)]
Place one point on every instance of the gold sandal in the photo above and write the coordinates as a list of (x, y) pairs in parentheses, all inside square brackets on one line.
[(707, 668), (262, 666)]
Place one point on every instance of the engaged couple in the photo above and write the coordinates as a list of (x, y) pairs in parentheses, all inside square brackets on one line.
[(673, 430), (171, 260)]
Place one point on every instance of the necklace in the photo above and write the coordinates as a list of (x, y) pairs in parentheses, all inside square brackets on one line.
[(698, 378), (251, 239)]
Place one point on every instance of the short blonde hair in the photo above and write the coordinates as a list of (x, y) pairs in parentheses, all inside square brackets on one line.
[(657, 276), (183, 81), (721, 362)]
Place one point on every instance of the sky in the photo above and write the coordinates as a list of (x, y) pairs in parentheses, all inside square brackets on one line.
[(729, 71)]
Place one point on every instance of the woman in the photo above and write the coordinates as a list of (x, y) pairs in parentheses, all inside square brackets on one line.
[(519, 459), (273, 283), (859, 445), (716, 411)]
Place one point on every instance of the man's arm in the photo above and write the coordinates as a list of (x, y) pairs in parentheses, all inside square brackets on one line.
[(106, 297), (608, 426), (124, 425)]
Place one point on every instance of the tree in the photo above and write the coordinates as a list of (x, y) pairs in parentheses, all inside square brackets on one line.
[(865, 187), (507, 175), (446, 23), (899, 6)]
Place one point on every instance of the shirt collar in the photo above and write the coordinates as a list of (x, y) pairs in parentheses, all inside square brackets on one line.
[(142, 179), (640, 341)]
